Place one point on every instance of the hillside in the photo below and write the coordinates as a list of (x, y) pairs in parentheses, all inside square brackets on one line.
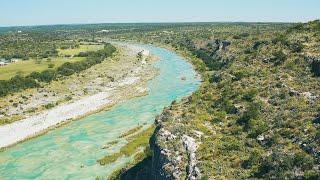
[(257, 112)]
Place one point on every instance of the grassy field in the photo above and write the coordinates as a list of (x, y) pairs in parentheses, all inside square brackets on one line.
[(26, 67), (82, 48)]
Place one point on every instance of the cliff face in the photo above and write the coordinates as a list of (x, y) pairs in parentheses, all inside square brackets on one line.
[(256, 114), (174, 149), (174, 146), (315, 66)]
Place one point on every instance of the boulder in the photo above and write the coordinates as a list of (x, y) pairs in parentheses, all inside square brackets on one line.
[(315, 64), (316, 120), (315, 67)]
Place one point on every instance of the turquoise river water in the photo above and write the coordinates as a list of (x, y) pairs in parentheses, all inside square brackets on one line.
[(71, 152)]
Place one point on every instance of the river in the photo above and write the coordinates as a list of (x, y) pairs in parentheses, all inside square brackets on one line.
[(71, 152)]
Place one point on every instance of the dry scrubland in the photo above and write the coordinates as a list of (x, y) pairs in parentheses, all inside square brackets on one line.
[(256, 115)]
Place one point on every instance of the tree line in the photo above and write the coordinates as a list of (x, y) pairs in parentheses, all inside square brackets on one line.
[(34, 79)]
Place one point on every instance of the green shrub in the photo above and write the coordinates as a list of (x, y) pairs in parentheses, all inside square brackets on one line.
[(254, 159), (256, 127), (219, 117), (252, 112), (297, 47), (240, 74), (49, 106), (250, 95), (279, 58), (50, 66), (280, 39)]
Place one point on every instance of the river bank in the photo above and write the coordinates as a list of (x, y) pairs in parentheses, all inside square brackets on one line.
[(104, 92), (79, 144)]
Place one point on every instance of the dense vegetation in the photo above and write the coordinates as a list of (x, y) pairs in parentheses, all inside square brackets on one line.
[(259, 104), (21, 45), (33, 80), (258, 107)]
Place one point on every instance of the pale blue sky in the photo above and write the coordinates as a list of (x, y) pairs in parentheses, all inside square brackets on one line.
[(38, 12)]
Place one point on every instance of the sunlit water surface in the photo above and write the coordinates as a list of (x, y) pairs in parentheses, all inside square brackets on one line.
[(71, 152)]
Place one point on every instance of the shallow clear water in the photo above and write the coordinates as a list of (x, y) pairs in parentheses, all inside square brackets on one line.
[(71, 152)]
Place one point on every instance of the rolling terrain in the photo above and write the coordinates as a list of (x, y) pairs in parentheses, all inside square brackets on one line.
[(257, 112), (255, 116)]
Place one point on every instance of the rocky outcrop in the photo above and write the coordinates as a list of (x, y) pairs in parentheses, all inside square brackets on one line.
[(219, 46), (159, 158), (174, 153), (222, 44), (191, 146), (316, 120), (315, 64)]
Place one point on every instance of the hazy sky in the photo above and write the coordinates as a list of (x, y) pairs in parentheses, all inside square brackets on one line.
[(36, 12)]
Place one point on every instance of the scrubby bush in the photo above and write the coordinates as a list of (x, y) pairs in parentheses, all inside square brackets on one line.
[(250, 95), (297, 47), (251, 113), (279, 58), (50, 66)]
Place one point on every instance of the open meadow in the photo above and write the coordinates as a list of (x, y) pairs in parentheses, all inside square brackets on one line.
[(37, 65)]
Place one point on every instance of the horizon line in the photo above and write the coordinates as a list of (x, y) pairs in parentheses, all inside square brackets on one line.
[(159, 22)]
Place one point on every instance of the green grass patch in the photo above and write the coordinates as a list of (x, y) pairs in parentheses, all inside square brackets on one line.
[(137, 141), (132, 131), (26, 67), (113, 142), (109, 144), (5, 120), (110, 159), (82, 48)]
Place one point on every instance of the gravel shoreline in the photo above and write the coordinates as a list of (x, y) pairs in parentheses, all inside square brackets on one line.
[(131, 86)]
